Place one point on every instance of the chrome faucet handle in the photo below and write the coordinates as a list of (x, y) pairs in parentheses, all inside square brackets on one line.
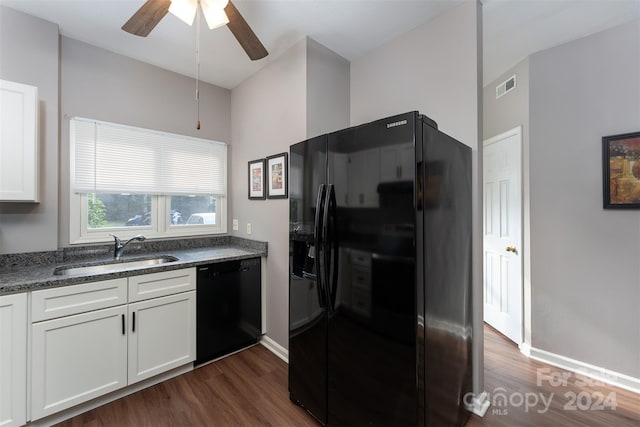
[(117, 239)]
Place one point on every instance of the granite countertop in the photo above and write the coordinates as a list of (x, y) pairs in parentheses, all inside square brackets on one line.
[(21, 275)]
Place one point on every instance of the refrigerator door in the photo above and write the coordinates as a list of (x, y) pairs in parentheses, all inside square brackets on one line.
[(447, 327), (307, 301), (371, 268)]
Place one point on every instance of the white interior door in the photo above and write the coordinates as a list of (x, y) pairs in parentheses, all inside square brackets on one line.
[(502, 166)]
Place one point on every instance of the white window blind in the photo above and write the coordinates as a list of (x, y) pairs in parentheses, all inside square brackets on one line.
[(112, 158)]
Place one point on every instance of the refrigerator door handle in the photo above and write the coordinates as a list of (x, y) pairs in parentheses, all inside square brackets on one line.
[(318, 242), (330, 238)]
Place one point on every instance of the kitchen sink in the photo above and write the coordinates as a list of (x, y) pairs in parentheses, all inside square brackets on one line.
[(109, 266)]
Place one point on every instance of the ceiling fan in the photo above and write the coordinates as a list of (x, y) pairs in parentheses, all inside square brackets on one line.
[(216, 13)]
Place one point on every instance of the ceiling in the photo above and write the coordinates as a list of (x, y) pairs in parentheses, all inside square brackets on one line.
[(513, 29)]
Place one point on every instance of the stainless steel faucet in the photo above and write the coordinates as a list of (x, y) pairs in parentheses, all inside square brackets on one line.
[(119, 246)]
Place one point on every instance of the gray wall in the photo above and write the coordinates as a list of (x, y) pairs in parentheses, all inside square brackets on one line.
[(303, 92), (585, 261), (501, 115), (268, 113), (29, 55), (436, 69), (327, 90), (102, 85)]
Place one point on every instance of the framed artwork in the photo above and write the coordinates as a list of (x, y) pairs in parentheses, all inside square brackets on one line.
[(256, 180), (621, 171), (277, 176)]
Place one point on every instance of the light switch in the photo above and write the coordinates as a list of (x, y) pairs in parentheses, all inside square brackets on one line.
[(248, 228), (235, 224)]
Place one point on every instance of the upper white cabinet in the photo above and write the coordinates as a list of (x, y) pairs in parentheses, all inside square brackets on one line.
[(363, 178), (396, 163), (13, 360), (338, 175), (18, 142)]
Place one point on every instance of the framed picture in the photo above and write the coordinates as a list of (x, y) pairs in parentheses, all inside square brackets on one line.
[(256, 180), (621, 171), (277, 176)]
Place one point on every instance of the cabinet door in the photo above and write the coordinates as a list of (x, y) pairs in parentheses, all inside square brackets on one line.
[(18, 142), (407, 162), (397, 163), (364, 176), (13, 360), (162, 335), (77, 358), (390, 164), (339, 177)]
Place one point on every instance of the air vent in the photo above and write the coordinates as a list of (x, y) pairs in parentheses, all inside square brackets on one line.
[(506, 86)]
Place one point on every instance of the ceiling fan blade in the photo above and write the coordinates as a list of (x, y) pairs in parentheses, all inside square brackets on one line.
[(244, 34), (147, 17)]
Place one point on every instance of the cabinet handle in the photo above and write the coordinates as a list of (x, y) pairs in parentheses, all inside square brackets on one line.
[(133, 322), (123, 330)]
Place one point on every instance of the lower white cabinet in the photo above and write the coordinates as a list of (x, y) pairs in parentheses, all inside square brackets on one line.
[(77, 358), (162, 335), (13, 360), (106, 344)]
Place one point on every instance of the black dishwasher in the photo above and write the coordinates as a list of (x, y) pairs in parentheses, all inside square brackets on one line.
[(228, 308)]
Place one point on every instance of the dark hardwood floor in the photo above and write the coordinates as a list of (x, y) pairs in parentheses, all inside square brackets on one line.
[(509, 373), (250, 389)]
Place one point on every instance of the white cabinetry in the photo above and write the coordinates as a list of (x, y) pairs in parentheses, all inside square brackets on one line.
[(396, 163), (338, 175), (88, 341), (364, 176), (78, 344), (13, 360), (77, 358), (361, 282), (162, 335), (18, 142)]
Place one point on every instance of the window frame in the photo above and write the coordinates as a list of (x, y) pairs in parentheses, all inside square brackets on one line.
[(80, 233)]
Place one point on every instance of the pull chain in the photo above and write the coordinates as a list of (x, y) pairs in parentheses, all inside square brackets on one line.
[(198, 63)]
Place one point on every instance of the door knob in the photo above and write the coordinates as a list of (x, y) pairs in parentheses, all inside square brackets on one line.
[(511, 249)]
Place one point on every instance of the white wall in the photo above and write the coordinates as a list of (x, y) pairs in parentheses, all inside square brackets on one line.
[(29, 55), (436, 69), (102, 85), (585, 260)]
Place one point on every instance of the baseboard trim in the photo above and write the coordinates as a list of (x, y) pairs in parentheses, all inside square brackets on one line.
[(585, 369), (525, 349), (275, 348), (479, 404)]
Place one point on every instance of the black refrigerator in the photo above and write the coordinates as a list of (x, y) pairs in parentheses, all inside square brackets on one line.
[(380, 275)]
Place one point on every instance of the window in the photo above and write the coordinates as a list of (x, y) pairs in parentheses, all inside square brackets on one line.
[(128, 181)]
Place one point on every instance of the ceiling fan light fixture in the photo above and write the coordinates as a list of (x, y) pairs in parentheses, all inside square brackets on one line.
[(185, 10), (214, 13)]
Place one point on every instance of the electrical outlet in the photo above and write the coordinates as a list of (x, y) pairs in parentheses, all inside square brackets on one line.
[(248, 228), (235, 224)]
